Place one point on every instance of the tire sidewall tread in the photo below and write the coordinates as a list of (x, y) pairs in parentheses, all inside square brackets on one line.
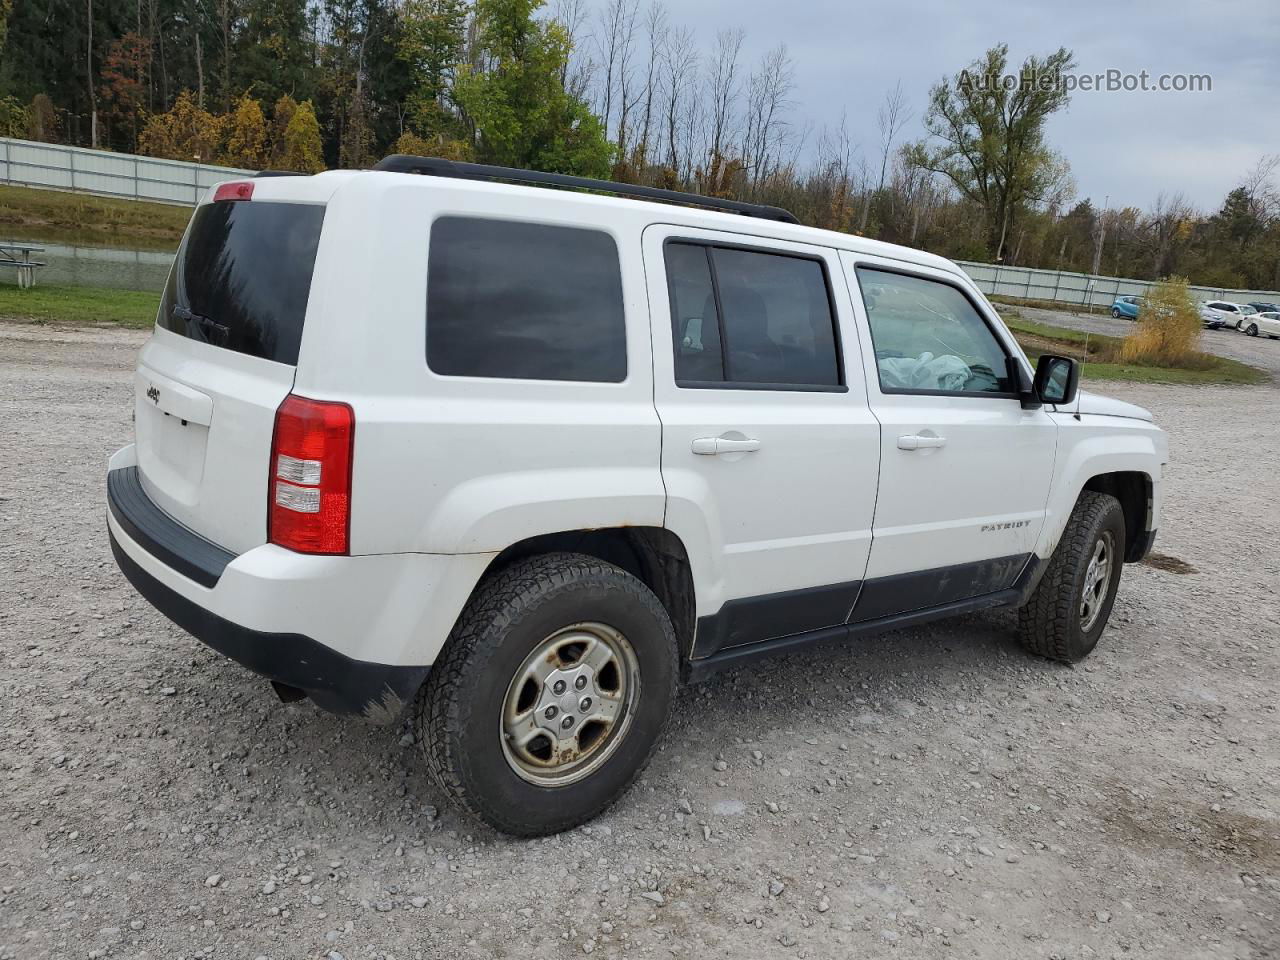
[(1049, 623), (461, 700)]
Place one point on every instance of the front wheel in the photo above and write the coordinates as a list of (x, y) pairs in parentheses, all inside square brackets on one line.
[(549, 697), (1115, 312), (1071, 605), (1253, 330)]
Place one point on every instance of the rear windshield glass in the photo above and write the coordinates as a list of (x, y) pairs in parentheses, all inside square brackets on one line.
[(242, 276)]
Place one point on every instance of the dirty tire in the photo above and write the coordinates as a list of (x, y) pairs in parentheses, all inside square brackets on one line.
[(459, 708), (1049, 624), (1253, 330)]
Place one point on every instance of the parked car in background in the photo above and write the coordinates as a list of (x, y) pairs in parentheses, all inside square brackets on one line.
[(1232, 314), (1126, 307), (1265, 323), (1263, 307)]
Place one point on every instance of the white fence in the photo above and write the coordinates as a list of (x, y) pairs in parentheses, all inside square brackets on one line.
[(1083, 289), (100, 172)]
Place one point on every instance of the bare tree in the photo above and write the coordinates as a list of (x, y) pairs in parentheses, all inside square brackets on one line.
[(724, 92), (1260, 187), (768, 97), (655, 34), (1164, 224), (680, 67), (615, 40), (892, 116), (578, 68)]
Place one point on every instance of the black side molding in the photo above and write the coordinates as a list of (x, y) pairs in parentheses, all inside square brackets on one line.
[(905, 592), (1016, 594), (159, 534), (753, 619)]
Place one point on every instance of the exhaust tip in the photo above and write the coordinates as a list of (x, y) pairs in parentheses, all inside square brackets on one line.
[(286, 693)]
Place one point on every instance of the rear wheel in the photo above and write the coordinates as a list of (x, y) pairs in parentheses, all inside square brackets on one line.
[(550, 695), (1071, 605), (1115, 312)]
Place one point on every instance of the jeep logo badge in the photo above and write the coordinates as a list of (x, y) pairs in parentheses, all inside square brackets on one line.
[(153, 394)]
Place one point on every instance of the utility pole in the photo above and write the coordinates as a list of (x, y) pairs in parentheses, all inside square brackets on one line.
[(1100, 235)]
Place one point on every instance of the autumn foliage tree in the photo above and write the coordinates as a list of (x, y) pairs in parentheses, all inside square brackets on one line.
[(186, 132), (123, 93), (246, 127), (301, 150), (1168, 329)]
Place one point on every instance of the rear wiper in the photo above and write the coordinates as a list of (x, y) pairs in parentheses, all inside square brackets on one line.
[(212, 331)]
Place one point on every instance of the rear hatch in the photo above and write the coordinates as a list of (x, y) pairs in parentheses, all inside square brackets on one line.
[(223, 358)]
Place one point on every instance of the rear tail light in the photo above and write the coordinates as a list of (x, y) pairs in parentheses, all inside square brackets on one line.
[(309, 506), (240, 190)]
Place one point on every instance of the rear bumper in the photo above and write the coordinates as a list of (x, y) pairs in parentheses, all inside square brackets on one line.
[(335, 682), (357, 634)]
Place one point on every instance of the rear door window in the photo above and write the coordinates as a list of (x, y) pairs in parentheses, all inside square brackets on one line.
[(751, 318), (242, 277), (524, 301)]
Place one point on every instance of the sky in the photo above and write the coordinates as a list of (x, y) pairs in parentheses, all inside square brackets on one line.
[(1125, 146)]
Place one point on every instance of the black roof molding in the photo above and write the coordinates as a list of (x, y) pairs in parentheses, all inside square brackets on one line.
[(439, 167)]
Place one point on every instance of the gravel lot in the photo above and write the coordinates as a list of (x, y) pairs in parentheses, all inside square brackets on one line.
[(927, 793)]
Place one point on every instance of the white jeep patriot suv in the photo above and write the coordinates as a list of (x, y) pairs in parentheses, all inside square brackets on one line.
[(525, 458)]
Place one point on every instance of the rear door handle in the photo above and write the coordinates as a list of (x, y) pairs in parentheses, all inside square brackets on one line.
[(714, 446), (915, 442)]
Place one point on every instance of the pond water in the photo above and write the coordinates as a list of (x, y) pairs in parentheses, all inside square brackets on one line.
[(75, 265)]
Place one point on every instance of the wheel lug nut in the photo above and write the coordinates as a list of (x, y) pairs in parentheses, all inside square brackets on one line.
[(550, 713), (585, 705), (558, 686), (567, 722), (580, 682)]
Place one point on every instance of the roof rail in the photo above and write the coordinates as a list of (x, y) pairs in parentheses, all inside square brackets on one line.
[(439, 167)]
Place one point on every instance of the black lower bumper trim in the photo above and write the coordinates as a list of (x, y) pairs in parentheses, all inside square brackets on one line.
[(335, 682), (159, 534)]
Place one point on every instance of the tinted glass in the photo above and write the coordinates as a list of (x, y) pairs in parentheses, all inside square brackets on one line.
[(695, 328), (777, 319), (928, 336), (242, 276), (524, 301)]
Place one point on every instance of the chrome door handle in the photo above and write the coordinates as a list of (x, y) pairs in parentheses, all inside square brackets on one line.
[(714, 446), (915, 442)]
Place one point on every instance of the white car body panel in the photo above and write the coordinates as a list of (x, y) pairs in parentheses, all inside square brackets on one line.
[(1268, 323), (953, 505), (796, 513), (1096, 403)]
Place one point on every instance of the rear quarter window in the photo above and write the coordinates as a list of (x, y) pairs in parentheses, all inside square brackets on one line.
[(524, 301), (242, 277)]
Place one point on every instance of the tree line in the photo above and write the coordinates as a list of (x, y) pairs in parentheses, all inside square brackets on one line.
[(610, 88)]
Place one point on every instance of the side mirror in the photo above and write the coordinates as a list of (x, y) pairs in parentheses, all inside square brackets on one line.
[(1022, 384), (1057, 379)]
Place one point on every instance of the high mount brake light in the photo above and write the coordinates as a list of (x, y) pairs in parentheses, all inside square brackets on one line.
[(240, 190), (309, 500)]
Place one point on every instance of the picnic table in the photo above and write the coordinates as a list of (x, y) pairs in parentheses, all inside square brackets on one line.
[(19, 255)]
